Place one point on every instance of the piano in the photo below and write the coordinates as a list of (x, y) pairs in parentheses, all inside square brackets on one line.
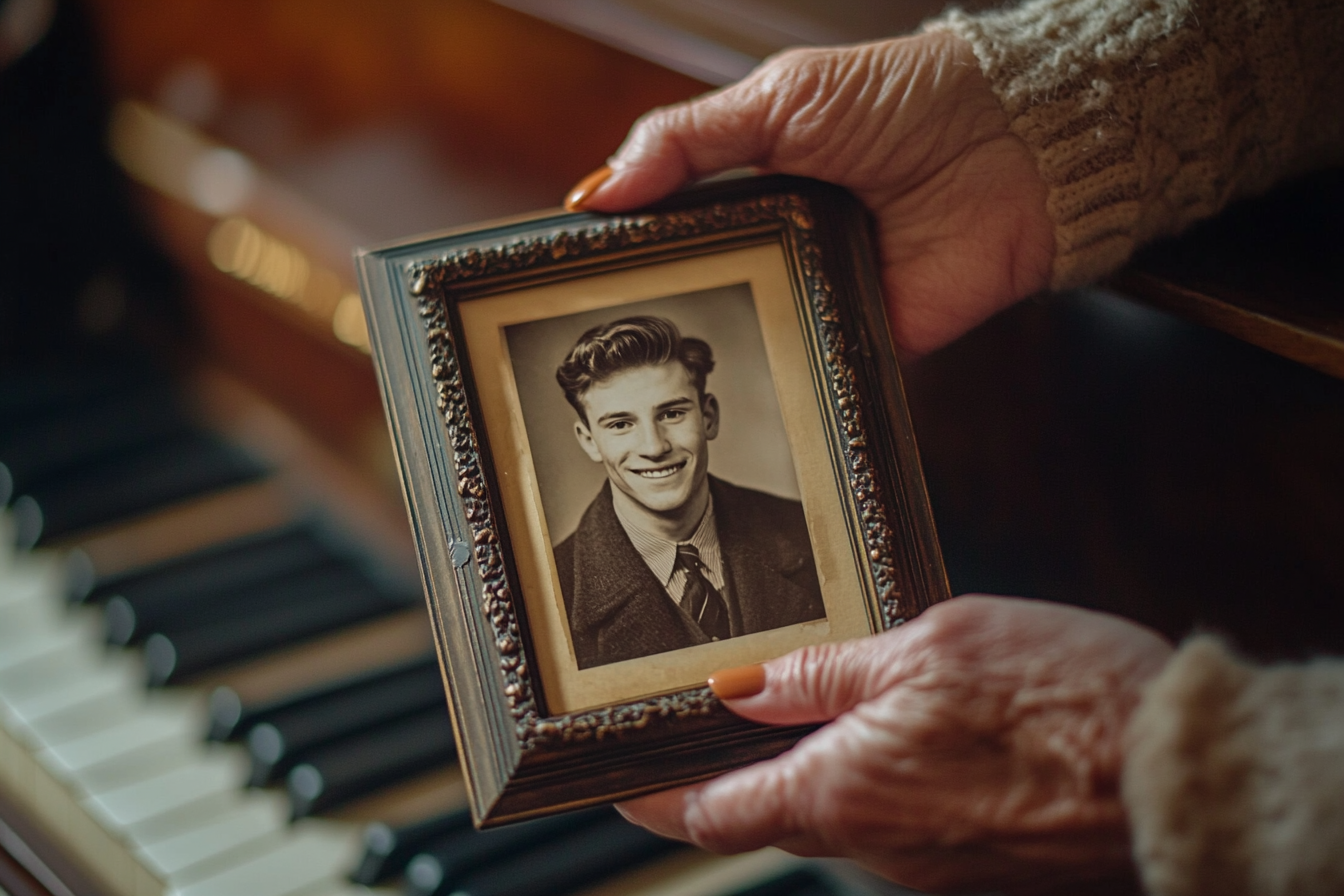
[(213, 655)]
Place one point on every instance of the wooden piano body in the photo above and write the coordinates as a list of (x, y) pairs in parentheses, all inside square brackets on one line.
[(1084, 448)]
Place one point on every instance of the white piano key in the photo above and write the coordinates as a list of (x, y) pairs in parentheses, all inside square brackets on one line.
[(7, 535), (32, 578), (83, 720), (52, 683), (209, 776), (19, 620), (77, 632), (138, 765), (227, 837), (147, 728), (312, 856)]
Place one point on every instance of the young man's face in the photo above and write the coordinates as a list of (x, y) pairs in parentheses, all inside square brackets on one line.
[(650, 429)]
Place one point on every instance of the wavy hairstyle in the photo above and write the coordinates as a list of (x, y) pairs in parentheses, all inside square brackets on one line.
[(609, 348)]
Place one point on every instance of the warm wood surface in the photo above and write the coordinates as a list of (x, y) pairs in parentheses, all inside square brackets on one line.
[(1269, 271), (504, 91)]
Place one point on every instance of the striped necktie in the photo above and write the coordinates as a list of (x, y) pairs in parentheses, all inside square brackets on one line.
[(700, 598)]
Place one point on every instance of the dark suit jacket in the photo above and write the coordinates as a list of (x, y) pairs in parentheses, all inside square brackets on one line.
[(618, 610)]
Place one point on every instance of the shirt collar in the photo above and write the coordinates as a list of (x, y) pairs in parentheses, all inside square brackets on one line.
[(660, 554)]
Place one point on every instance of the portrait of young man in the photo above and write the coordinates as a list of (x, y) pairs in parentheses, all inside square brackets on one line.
[(667, 556)]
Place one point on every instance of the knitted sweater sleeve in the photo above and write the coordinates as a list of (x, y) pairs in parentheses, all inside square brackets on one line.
[(1234, 777), (1147, 115)]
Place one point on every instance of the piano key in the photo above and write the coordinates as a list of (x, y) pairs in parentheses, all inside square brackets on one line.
[(29, 579), (211, 776), (264, 682), (223, 576), (24, 645), (440, 790), (190, 569), (447, 861), (85, 719), (58, 441), (312, 856), (284, 733), (120, 487), (187, 526), (356, 765), (134, 767), (300, 607), (147, 728), (184, 854), (19, 618), (6, 540), (566, 863), (56, 682), (387, 849)]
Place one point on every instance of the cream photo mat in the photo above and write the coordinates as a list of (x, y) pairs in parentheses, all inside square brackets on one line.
[(843, 578)]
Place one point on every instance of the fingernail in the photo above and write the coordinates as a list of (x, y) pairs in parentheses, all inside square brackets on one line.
[(585, 188), (734, 684)]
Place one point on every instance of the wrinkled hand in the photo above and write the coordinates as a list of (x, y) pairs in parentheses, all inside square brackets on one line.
[(977, 746), (911, 127)]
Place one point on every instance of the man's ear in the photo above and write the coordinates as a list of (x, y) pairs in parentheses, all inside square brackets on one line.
[(709, 409), (586, 441)]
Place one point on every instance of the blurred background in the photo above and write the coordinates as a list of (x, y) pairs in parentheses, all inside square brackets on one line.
[(184, 377)]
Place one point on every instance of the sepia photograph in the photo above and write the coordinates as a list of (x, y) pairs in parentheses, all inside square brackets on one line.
[(674, 508)]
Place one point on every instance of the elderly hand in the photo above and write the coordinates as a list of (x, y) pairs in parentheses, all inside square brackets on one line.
[(977, 746), (911, 127)]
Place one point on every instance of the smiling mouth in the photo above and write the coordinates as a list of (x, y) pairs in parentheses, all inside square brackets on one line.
[(661, 472)]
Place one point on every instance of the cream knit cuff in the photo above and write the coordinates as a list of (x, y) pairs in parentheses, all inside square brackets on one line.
[(1234, 777), (1143, 116)]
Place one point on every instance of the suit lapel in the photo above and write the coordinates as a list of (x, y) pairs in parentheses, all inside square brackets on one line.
[(625, 609), (759, 563)]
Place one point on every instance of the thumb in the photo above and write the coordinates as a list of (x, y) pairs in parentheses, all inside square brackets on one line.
[(673, 146), (814, 684), (743, 124)]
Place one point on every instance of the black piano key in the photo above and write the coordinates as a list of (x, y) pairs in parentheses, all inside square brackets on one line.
[(120, 487), (358, 765), (442, 866), (567, 863), (232, 718), (277, 743), (388, 849), (304, 589), (228, 715), (213, 562), (85, 433), (186, 590), (264, 618)]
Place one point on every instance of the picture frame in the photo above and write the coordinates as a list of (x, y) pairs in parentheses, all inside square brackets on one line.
[(566, 684)]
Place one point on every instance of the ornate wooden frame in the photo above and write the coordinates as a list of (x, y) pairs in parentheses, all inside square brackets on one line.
[(522, 762)]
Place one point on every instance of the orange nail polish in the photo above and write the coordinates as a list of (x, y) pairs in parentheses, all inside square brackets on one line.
[(585, 188), (734, 684)]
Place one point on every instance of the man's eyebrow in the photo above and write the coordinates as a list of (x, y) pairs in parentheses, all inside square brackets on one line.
[(673, 402)]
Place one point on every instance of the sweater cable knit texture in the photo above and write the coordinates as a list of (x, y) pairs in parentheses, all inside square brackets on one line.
[(1147, 116)]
